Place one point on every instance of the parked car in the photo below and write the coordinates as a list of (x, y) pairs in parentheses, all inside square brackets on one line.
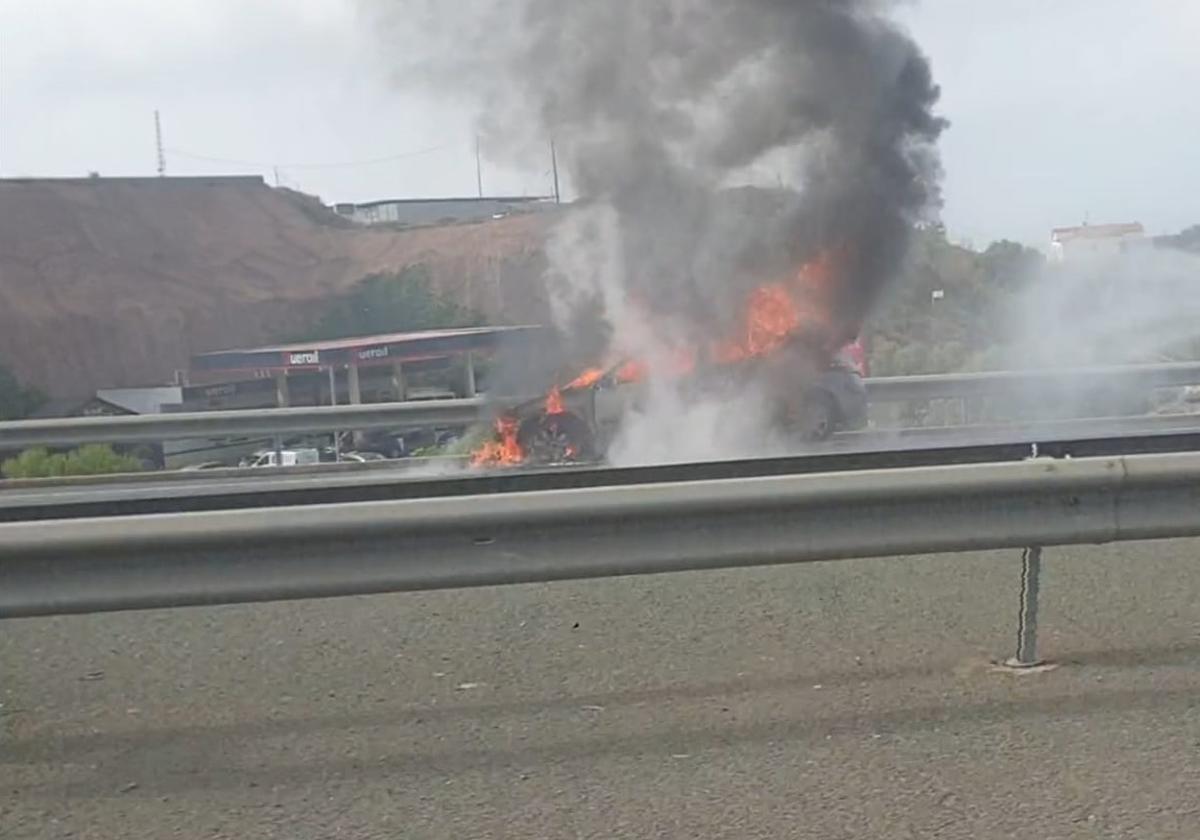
[(362, 457), (204, 465)]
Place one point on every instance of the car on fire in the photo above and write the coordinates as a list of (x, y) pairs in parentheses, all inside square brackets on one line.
[(578, 421)]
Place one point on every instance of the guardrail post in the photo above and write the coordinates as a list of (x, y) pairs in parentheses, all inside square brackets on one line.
[(469, 389), (1031, 573), (337, 444), (283, 396)]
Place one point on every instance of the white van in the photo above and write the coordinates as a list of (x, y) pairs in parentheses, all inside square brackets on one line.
[(291, 458)]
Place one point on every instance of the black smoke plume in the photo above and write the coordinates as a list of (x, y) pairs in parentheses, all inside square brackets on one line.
[(713, 145)]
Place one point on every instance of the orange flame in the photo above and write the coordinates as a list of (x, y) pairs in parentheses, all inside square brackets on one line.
[(586, 379), (775, 312), (505, 450), (771, 317), (554, 402)]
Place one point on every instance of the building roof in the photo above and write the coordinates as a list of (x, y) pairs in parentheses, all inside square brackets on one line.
[(362, 350), (487, 199), (1112, 231), (141, 400), (148, 400)]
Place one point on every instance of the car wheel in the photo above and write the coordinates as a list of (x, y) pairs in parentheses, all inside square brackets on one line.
[(817, 416), (556, 439)]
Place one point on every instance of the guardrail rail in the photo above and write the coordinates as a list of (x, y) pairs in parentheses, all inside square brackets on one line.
[(279, 421), (309, 551)]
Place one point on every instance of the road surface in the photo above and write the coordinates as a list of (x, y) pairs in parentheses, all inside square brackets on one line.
[(841, 700)]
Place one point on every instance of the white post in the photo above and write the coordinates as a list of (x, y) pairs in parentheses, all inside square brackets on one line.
[(398, 383), (355, 389), (282, 397), (337, 449), (352, 385), (469, 376)]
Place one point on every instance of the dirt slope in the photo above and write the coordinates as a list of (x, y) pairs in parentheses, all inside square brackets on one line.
[(113, 282)]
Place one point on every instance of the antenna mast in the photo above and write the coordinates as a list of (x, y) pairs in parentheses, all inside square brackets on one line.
[(554, 167), (478, 167), (162, 158)]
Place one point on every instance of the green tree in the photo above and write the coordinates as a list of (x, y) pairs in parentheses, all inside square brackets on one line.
[(950, 309), (1009, 266), (384, 303), (93, 459), (16, 400)]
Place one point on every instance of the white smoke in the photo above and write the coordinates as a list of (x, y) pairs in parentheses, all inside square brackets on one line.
[(670, 426), (1142, 305)]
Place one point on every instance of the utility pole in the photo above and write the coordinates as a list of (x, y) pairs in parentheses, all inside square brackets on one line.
[(478, 167), (554, 169), (162, 158)]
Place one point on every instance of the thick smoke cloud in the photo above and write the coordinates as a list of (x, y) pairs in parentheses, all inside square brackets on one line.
[(713, 145)]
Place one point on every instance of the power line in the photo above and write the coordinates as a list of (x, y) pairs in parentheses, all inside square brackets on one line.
[(340, 164)]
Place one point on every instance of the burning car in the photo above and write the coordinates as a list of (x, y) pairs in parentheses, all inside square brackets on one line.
[(578, 421), (785, 341)]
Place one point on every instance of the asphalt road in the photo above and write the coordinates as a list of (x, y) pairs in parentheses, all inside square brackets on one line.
[(841, 700)]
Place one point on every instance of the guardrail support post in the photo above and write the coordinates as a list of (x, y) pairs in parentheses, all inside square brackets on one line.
[(337, 448), (398, 383), (283, 397), (1031, 573), (352, 384), (469, 376)]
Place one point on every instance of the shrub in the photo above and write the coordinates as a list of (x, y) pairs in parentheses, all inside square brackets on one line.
[(92, 459)]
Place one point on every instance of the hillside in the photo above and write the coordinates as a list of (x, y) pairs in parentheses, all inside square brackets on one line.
[(111, 282)]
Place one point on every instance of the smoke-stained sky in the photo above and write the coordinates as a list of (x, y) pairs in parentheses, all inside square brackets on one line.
[(1059, 111)]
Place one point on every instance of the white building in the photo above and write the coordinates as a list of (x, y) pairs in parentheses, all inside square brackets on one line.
[(1095, 242), (440, 211)]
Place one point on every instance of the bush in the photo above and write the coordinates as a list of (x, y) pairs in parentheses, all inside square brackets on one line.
[(93, 459)]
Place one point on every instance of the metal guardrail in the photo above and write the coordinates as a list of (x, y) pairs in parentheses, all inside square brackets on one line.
[(1033, 382), (219, 424), (312, 551), (1032, 431), (276, 421), (263, 487)]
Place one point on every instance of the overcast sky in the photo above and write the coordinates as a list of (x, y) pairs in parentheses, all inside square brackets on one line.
[(1061, 110)]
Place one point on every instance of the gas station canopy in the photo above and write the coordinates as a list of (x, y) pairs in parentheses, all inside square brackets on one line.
[(363, 351)]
